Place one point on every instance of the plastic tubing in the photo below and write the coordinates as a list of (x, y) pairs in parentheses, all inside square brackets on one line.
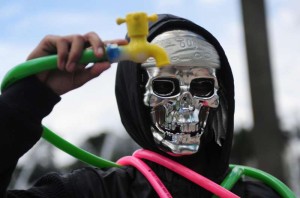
[(268, 179), (37, 65), (154, 180), (76, 152), (185, 172), (45, 63), (237, 171), (231, 179)]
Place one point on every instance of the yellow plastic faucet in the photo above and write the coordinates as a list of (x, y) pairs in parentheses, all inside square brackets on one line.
[(139, 49)]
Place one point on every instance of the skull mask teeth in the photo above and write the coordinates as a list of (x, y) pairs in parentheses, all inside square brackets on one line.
[(180, 99)]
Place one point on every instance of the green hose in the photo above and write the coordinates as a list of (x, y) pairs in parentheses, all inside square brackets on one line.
[(45, 63), (37, 65), (76, 152), (237, 171)]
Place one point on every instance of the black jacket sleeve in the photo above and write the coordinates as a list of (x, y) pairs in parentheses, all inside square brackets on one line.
[(22, 107), (89, 182)]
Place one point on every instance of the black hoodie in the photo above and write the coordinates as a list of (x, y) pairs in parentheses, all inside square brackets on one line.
[(212, 160)]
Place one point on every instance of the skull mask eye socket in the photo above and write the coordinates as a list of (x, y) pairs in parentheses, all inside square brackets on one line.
[(165, 87), (202, 87)]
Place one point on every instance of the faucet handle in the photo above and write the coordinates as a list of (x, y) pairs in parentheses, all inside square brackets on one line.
[(120, 21), (153, 18), (137, 23)]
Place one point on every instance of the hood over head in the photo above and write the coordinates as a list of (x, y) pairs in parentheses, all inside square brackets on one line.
[(211, 160)]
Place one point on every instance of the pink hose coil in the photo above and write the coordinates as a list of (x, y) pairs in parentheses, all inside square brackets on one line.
[(185, 172), (156, 183)]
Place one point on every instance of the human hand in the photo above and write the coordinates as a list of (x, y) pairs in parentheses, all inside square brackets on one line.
[(70, 74)]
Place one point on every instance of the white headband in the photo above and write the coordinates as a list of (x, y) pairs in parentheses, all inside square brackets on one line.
[(186, 48)]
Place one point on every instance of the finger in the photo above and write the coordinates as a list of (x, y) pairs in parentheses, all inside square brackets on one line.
[(96, 43), (63, 46), (90, 73), (98, 68), (81, 67), (117, 41), (46, 47), (77, 46)]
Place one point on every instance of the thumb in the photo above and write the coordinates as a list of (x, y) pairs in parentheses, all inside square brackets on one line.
[(90, 73)]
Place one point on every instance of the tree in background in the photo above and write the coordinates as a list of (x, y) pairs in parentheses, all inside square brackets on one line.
[(268, 144)]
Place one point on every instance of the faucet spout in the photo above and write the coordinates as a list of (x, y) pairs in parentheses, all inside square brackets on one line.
[(159, 54), (138, 49)]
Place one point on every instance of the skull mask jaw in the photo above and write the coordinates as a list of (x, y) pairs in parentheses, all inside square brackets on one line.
[(181, 95), (173, 148)]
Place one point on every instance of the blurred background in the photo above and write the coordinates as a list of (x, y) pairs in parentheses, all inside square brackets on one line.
[(260, 38)]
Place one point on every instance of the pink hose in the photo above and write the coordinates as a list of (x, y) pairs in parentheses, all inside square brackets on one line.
[(185, 172), (158, 186)]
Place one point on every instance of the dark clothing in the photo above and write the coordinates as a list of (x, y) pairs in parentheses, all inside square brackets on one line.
[(23, 106)]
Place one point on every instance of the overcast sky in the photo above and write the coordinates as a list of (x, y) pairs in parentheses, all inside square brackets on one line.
[(92, 108)]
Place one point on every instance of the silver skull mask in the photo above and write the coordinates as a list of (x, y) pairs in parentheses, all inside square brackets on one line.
[(181, 95)]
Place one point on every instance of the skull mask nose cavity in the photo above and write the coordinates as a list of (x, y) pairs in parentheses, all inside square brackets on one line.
[(186, 102)]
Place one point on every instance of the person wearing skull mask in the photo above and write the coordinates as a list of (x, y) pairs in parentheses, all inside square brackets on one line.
[(186, 109), (183, 111)]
